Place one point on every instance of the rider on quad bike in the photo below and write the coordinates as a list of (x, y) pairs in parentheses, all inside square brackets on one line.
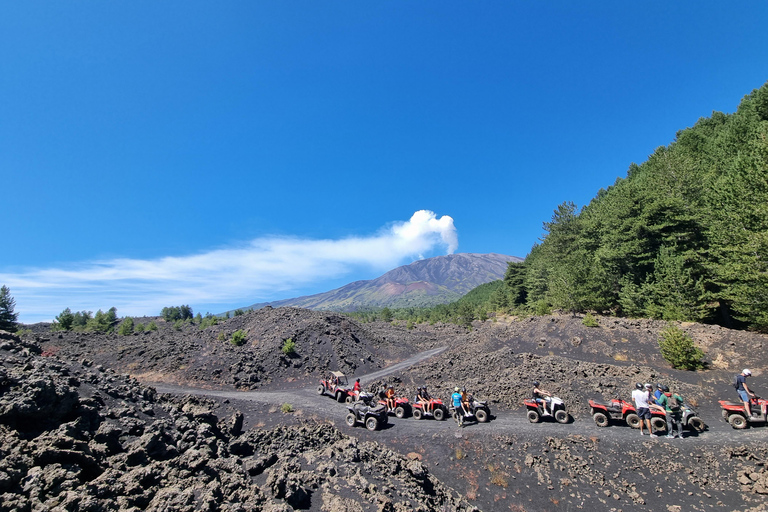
[(389, 397), (541, 397), (422, 397)]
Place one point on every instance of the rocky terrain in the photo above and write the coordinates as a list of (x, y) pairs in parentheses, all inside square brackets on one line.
[(507, 464), (81, 437)]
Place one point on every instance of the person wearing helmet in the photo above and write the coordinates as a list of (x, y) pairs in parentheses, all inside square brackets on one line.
[(456, 400), (657, 394), (743, 390), (673, 408), (542, 397), (641, 395)]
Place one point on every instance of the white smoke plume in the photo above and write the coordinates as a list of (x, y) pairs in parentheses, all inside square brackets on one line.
[(263, 269)]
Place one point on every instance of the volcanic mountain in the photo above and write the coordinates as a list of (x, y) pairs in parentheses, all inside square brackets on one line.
[(428, 282)]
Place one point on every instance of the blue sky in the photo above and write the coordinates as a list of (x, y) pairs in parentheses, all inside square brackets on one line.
[(221, 154)]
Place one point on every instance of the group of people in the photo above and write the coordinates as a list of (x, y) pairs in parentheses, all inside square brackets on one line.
[(460, 399), (663, 400)]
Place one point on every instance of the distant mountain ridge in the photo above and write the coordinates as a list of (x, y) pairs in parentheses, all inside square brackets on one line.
[(423, 283)]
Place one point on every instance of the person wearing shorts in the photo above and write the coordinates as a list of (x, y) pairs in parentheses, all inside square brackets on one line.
[(744, 391), (642, 397)]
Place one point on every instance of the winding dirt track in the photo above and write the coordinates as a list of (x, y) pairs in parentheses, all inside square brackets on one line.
[(502, 422)]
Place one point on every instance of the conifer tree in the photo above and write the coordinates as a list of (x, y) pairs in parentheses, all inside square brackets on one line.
[(7, 316)]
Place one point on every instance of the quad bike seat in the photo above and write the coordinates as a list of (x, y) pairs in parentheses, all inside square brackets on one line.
[(609, 405), (361, 407)]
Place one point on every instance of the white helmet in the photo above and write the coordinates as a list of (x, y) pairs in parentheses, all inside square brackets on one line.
[(746, 372)]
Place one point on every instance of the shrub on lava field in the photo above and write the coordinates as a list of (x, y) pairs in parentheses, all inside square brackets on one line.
[(289, 347), (541, 308), (286, 408), (678, 349), (238, 338), (590, 321)]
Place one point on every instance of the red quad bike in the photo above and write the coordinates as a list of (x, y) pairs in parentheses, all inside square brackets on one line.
[(402, 406), (734, 413), (535, 412), (336, 386), (439, 411), (616, 409)]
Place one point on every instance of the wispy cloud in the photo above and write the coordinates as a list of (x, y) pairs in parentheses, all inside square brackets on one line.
[(261, 269)]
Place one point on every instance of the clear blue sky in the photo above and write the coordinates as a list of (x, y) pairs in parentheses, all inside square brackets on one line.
[(166, 153)]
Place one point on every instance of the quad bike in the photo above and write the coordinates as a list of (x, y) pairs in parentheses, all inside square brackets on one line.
[(439, 411), (374, 418), (477, 409), (536, 411), (616, 409), (336, 386), (734, 413), (402, 406), (690, 419)]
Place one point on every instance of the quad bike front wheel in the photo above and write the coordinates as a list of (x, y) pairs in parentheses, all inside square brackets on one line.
[(351, 419), (633, 420), (561, 416), (658, 425), (418, 414), (349, 399), (439, 414), (533, 417), (737, 421), (400, 411), (372, 423), (697, 424), (481, 415), (601, 420)]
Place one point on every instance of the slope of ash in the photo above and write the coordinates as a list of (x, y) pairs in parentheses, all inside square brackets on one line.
[(77, 438), (498, 360), (206, 358)]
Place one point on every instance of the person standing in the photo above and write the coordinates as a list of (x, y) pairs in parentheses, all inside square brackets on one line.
[(743, 390), (641, 395), (673, 407), (456, 400)]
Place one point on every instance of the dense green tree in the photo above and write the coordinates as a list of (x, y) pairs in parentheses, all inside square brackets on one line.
[(7, 315), (64, 321), (103, 322), (126, 327), (514, 279), (683, 236)]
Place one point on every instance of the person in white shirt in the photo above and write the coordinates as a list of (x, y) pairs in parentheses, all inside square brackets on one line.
[(641, 395)]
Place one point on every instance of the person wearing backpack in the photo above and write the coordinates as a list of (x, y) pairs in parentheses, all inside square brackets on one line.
[(673, 407), (740, 383)]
